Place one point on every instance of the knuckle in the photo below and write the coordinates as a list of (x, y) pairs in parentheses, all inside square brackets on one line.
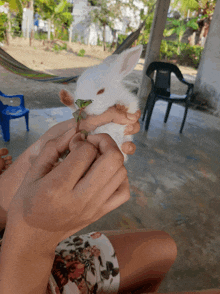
[(51, 143), (89, 146), (106, 137), (118, 156), (124, 171)]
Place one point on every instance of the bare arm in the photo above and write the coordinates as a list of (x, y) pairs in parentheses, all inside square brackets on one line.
[(24, 268)]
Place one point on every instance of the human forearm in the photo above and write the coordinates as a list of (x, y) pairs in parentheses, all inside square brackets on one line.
[(12, 178), (25, 267)]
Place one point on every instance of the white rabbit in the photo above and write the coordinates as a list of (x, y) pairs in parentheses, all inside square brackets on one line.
[(103, 85)]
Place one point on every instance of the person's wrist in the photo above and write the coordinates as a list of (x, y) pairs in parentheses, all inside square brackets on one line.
[(23, 239)]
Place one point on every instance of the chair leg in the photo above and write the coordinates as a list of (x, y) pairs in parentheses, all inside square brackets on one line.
[(27, 121), (5, 128), (145, 109), (149, 113), (168, 111), (184, 119)]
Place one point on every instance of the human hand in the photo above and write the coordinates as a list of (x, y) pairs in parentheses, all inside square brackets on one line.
[(59, 201), (117, 114)]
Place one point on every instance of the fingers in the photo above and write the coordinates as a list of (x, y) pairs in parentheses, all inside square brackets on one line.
[(128, 148), (50, 154), (104, 168), (81, 156), (3, 151), (59, 129), (132, 129), (113, 185), (119, 197)]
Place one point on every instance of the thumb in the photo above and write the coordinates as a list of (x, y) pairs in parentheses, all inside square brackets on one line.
[(50, 154)]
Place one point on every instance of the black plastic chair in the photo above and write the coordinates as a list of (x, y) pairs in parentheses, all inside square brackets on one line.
[(160, 90)]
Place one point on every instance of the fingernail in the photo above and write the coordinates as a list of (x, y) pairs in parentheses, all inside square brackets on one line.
[(131, 116), (76, 137), (130, 148)]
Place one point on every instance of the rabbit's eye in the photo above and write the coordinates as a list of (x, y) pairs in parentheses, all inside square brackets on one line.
[(101, 91)]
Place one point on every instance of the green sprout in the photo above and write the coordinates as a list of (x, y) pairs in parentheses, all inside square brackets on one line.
[(81, 114)]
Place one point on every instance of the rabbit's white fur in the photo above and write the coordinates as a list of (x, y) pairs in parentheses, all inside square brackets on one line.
[(108, 76)]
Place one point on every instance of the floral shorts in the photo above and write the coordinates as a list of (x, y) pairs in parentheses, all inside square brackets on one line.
[(85, 264)]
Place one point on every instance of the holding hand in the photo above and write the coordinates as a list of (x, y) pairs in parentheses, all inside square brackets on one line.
[(59, 201)]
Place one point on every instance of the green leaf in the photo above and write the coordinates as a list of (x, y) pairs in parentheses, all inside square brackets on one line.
[(168, 33), (86, 103), (60, 7), (83, 103), (79, 103), (84, 115), (76, 114)]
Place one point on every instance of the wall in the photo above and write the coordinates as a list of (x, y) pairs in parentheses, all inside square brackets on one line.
[(207, 85)]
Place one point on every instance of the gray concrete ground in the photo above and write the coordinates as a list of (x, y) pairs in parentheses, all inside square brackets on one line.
[(174, 184)]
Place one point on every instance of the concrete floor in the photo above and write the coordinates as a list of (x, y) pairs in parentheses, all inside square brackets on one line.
[(174, 184)]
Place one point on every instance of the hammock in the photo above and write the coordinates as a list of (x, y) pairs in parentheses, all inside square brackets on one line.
[(11, 64)]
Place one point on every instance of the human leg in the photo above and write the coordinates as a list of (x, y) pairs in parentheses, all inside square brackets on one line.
[(144, 258)]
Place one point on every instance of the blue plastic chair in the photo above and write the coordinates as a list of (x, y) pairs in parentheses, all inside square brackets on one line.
[(11, 112)]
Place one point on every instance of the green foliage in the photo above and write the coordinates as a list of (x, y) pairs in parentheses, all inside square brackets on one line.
[(178, 27), (75, 37), (3, 25), (99, 42), (186, 4), (57, 47), (192, 23), (121, 38), (15, 25), (83, 103), (15, 5), (188, 55), (57, 12), (144, 36), (40, 36), (168, 50), (201, 6), (102, 14), (81, 53), (82, 40)]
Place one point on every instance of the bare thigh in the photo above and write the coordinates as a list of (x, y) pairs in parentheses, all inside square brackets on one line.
[(144, 257)]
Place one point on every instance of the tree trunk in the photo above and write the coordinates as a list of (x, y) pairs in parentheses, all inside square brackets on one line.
[(207, 84), (153, 46), (48, 32), (104, 37), (8, 30), (70, 33), (31, 34)]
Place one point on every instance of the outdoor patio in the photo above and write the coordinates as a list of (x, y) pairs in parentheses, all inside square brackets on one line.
[(174, 184)]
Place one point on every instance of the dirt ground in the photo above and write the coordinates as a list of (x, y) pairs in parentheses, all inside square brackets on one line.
[(40, 95)]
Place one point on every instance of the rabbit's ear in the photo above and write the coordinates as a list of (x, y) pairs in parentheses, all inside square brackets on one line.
[(67, 99), (126, 61), (110, 59)]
